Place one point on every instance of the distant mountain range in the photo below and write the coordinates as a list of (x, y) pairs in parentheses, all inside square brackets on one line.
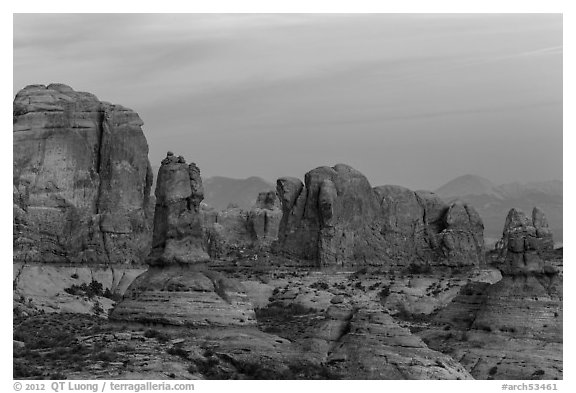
[(494, 201), (220, 192)]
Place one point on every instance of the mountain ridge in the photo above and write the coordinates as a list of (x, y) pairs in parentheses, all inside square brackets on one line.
[(493, 201)]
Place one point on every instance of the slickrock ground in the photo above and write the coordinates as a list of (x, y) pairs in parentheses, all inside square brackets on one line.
[(50, 288), (311, 323)]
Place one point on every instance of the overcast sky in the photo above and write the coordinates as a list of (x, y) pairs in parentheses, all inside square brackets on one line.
[(406, 99)]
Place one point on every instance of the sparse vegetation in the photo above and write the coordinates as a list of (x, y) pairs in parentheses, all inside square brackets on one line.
[(95, 288), (415, 268), (158, 335), (384, 293), (178, 351), (320, 285)]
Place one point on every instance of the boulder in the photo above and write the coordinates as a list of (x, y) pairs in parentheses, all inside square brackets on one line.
[(81, 179), (337, 219)]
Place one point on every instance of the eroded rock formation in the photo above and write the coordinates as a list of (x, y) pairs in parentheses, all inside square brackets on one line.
[(336, 218), (523, 240), (178, 289), (511, 329), (235, 229), (81, 179), (177, 235)]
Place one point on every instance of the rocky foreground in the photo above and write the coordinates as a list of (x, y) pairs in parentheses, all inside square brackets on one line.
[(329, 278)]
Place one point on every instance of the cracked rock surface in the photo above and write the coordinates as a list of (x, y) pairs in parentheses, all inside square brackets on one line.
[(81, 179), (336, 218)]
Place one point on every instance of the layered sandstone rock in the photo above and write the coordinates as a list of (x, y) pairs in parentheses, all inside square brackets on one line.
[(511, 329), (184, 296), (336, 218), (178, 289), (235, 229), (374, 346), (523, 240), (177, 235), (81, 179)]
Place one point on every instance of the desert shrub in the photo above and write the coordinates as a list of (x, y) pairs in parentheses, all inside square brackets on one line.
[(384, 292), (105, 356), (415, 268), (178, 351), (57, 339), (320, 285), (279, 311), (97, 308), (89, 290), (125, 348), (160, 336), (21, 370), (94, 288), (207, 367), (311, 371)]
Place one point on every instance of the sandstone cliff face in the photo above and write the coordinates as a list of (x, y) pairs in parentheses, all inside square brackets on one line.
[(178, 289), (81, 179), (336, 218)]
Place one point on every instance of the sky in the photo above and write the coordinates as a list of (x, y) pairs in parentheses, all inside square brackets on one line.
[(408, 99)]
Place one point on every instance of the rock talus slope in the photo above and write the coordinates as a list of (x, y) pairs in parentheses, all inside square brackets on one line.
[(81, 179), (336, 218)]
